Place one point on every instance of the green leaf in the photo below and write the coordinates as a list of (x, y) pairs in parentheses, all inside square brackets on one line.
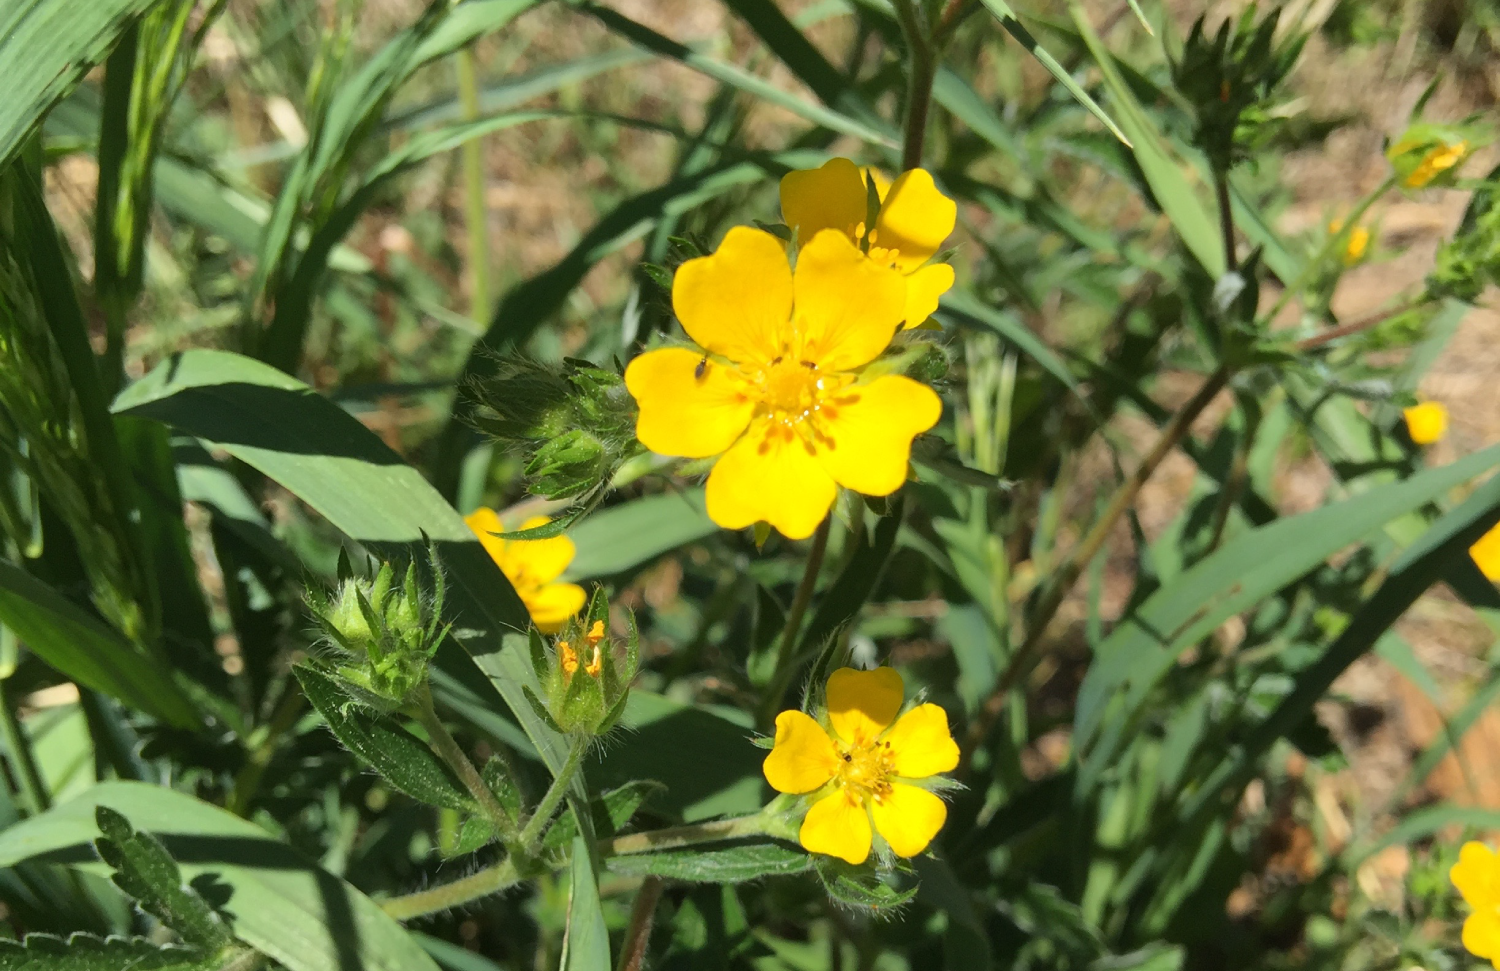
[(85, 952), (961, 308), (46, 47), (586, 944), (399, 756), (149, 875), (1419, 825), (279, 902), (611, 812), (86, 650), (623, 537), (730, 862), (1007, 18), (1178, 198), (1243, 572), (325, 457), (842, 601)]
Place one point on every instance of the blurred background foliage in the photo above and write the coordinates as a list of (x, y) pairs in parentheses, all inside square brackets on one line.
[(1200, 611)]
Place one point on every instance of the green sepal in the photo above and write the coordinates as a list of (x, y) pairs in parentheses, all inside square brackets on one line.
[(861, 887)]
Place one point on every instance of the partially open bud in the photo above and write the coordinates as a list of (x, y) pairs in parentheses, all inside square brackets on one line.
[(1428, 154), (585, 675), (381, 634)]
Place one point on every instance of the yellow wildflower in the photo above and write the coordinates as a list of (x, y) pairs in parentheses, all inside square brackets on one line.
[(1477, 877), (532, 566), (1438, 160), (1486, 554), (1426, 422), (776, 391), (861, 773), (914, 220)]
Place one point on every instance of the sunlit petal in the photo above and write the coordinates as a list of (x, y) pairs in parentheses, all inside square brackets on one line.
[(1481, 934), (915, 219), (848, 306), (1477, 875), (862, 704), (908, 818), (738, 301), (1426, 422), (552, 605), (924, 286), (830, 197), (1486, 554), (804, 757), (868, 432), (690, 406), (921, 744), (540, 560), (485, 522), (770, 475), (839, 826)]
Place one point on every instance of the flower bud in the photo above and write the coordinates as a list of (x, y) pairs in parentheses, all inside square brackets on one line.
[(585, 676), (381, 635), (568, 465), (1429, 155)]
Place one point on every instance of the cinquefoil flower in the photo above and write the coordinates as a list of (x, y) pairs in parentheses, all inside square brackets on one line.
[(1486, 554), (531, 566), (1426, 422), (914, 220), (777, 387), (860, 769), (1477, 877)]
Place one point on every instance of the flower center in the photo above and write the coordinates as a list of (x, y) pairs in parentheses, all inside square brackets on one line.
[(866, 770), (790, 389)]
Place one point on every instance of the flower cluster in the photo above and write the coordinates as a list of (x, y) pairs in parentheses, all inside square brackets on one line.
[(781, 387), (863, 769)]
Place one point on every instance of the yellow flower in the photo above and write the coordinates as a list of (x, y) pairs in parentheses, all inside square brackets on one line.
[(914, 220), (1477, 877), (860, 773), (1486, 554), (1426, 422), (776, 387), (531, 566), (1437, 161)]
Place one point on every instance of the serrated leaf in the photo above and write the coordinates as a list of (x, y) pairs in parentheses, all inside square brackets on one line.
[(611, 812), (724, 863), (85, 952), (399, 756), (860, 887), (148, 874)]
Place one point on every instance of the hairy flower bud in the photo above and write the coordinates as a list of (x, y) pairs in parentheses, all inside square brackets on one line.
[(585, 676)]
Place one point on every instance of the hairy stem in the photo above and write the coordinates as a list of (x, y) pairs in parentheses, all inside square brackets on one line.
[(456, 894), (919, 88), (1226, 220), (1355, 327), (786, 648), (638, 932), (449, 751), (1026, 656), (537, 825)]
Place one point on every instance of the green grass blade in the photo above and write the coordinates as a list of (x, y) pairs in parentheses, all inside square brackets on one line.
[(621, 538)]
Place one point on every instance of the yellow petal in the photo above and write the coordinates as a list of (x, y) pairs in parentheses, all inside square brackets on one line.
[(738, 301), (552, 605), (848, 306), (485, 522), (915, 219), (770, 475), (830, 197), (804, 757), (690, 406), (1426, 422), (534, 562), (869, 431), (839, 826), (1486, 554), (923, 288), (1477, 875), (921, 744), (908, 818), (861, 704), (1482, 934)]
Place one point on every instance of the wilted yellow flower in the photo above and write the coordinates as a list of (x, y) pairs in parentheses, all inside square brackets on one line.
[(1486, 554), (1477, 877), (914, 220), (777, 387), (531, 566), (1426, 422), (861, 773)]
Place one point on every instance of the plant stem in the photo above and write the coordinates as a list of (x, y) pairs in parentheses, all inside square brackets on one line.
[(786, 647), (480, 884), (22, 762), (504, 874), (1323, 253), (449, 751), (554, 795), (638, 932), (1226, 220), (475, 213), (1026, 657), (288, 710), (1354, 327), (919, 90)]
